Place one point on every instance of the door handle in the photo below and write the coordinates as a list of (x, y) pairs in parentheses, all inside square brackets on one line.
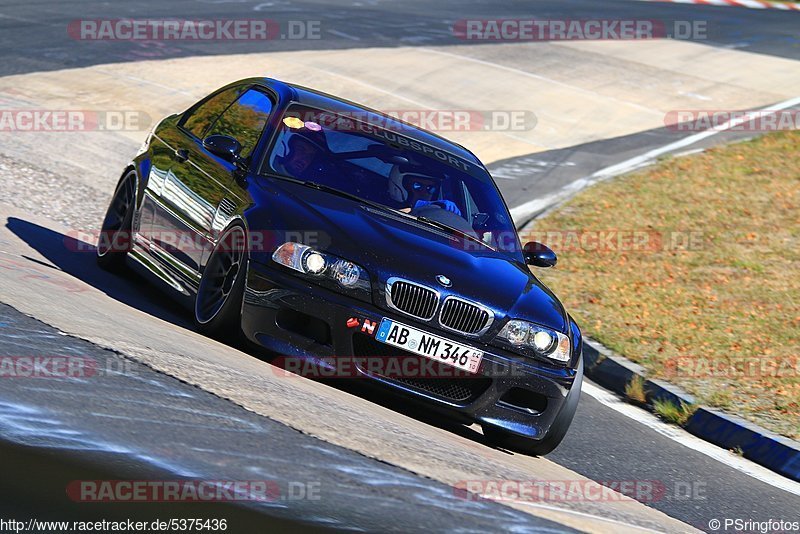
[(182, 154)]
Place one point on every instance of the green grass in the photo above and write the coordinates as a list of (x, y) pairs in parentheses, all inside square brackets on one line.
[(634, 390), (713, 299), (672, 413)]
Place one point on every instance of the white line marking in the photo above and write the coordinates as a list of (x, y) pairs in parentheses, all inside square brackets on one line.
[(407, 99), (345, 35), (678, 435), (695, 95), (149, 82), (587, 515), (367, 84), (542, 78), (31, 21), (524, 211), (750, 4), (689, 152), (686, 141)]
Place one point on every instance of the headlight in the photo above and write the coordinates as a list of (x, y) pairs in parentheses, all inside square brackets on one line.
[(538, 339), (293, 256), (314, 262), (307, 260), (346, 273)]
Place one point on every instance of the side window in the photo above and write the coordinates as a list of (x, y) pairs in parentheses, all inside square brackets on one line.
[(476, 219), (472, 208), (204, 116), (244, 120)]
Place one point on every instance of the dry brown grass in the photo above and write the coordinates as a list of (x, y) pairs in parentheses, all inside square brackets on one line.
[(712, 301)]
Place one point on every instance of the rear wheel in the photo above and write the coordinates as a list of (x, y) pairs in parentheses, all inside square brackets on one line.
[(217, 310), (114, 241), (554, 436)]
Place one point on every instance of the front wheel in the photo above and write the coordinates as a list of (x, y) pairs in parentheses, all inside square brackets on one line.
[(554, 436), (116, 231), (218, 306)]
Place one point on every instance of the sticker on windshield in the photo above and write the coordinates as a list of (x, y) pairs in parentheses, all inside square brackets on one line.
[(407, 142), (293, 122)]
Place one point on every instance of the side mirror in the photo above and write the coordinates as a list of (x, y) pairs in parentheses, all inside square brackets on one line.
[(223, 146), (539, 255)]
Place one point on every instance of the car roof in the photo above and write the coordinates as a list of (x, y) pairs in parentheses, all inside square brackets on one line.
[(318, 99)]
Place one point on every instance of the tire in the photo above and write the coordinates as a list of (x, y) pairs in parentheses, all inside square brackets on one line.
[(115, 238), (218, 304), (554, 436)]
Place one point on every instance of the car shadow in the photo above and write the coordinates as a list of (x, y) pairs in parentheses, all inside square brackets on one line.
[(77, 258)]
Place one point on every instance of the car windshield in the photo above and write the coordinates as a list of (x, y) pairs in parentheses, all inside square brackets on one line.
[(386, 166)]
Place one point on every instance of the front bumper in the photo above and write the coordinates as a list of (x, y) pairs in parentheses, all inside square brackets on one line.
[(300, 320)]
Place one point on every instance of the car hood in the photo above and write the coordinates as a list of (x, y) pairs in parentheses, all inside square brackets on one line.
[(388, 245)]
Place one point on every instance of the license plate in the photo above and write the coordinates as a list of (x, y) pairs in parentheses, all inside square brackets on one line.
[(429, 346)]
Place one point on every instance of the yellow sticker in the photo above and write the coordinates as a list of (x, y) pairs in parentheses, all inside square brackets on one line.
[(293, 122)]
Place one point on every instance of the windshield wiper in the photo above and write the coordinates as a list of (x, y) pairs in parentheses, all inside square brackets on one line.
[(344, 194), (328, 189), (333, 190), (452, 230)]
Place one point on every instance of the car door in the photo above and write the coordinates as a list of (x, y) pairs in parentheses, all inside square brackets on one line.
[(196, 197), (165, 217)]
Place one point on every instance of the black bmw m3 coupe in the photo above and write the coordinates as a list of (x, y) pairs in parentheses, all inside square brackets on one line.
[(322, 230)]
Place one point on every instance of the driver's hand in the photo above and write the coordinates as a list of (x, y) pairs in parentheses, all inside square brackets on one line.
[(449, 205)]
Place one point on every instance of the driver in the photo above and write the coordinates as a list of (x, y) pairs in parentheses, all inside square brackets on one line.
[(414, 190), (304, 159)]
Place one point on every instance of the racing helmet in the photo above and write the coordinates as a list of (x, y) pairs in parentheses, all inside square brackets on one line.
[(290, 141), (398, 179)]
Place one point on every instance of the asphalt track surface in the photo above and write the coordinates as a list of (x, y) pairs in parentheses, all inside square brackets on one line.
[(602, 444), (112, 425), (37, 28), (33, 37)]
